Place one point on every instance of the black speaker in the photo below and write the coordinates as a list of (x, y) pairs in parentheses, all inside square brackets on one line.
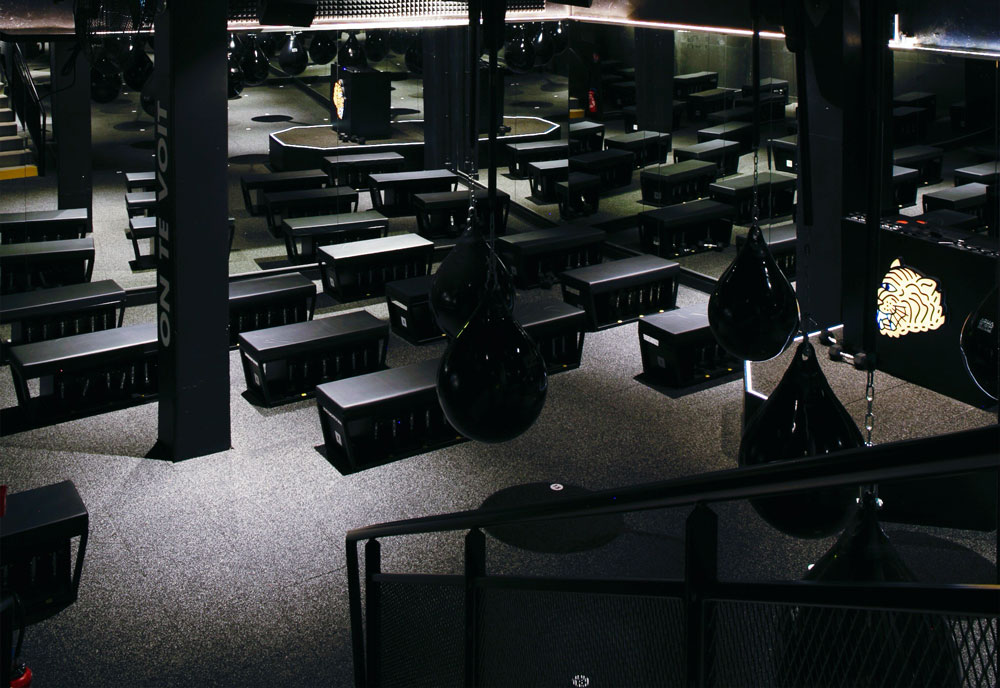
[(286, 12)]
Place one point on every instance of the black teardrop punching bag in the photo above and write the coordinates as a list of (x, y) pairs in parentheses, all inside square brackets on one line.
[(292, 58), (802, 417), (980, 344), (254, 62), (753, 312)]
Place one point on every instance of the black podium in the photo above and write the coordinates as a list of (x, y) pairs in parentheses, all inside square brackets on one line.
[(360, 100)]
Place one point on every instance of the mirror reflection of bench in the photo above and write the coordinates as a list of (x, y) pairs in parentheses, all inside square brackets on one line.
[(353, 170), (44, 225), (950, 219), (444, 213), (919, 99), (741, 132), (679, 350), (286, 363), (140, 203), (45, 264), (630, 116), (622, 93), (927, 160), (967, 198), (267, 182), (772, 106), (141, 181), (303, 235), (391, 192), (263, 302), (44, 314), (776, 194), (544, 175), (385, 416), (280, 205), (648, 146), (785, 153), (685, 84), (701, 103), (143, 227), (409, 306), (534, 258), (579, 194), (613, 167), (768, 85), (520, 154), (781, 242), (904, 186), (725, 154), (86, 372), (621, 291), (361, 269), (585, 136), (988, 174), (557, 328), (679, 182), (686, 228), (909, 125)]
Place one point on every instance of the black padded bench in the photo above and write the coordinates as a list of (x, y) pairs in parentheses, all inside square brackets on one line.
[(43, 314), (622, 290), (303, 235), (36, 536), (785, 153), (686, 84), (392, 192), (45, 264), (557, 329), (44, 225), (141, 181), (682, 181), (648, 146), (740, 113), (444, 213), (776, 194), (308, 202), (630, 116), (283, 364), (919, 99), (523, 153), (535, 257), (579, 194), (140, 203), (613, 167), (353, 170), (701, 103), (925, 159), (143, 227), (725, 154), (987, 173), (269, 302), (949, 219), (685, 228), (679, 349), (741, 132), (904, 186), (268, 182), (88, 371), (585, 136), (909, 125), (410, 313), (544, 175), (361, 269), (782, 244), (379, 417)]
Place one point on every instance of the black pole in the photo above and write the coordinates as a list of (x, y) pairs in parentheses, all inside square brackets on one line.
[(493, 17), (475, 12)]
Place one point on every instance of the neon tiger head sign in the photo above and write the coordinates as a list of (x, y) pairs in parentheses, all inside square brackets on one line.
[(908, 302)]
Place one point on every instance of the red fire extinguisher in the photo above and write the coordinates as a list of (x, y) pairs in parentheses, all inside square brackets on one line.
[(592, 101)]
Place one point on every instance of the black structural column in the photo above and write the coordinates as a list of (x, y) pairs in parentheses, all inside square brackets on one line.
[(192, 230), (447, 124), (71, 125), (654, 79)]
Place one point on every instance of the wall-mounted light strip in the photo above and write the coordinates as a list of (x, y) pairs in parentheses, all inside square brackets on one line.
[(912, 43), (676, 27)]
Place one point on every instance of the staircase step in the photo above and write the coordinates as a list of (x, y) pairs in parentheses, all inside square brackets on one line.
[(6, 115), (15, 157), (4, 101), (9, 143), (18, 172), (8, 128)]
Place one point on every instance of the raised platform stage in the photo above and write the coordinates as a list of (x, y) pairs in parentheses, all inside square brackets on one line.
[(303, 148)]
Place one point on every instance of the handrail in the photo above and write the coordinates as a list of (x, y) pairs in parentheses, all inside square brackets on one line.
[(34, 119), (959, 452)]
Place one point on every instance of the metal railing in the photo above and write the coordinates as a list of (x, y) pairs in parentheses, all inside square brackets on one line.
[(481, 630), (27, 105)]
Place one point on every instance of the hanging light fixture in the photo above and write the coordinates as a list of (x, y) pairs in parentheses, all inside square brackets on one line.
[(801, 418), (292, 58)]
